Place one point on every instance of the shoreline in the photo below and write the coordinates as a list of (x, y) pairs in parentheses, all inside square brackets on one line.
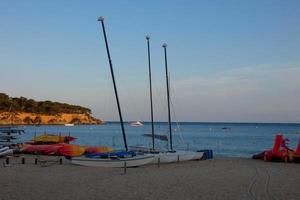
[(220, 178)]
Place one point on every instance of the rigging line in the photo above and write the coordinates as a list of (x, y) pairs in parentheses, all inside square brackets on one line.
[(145, 100), (108, 102), (160, 111), (174, 113), (177, 124)]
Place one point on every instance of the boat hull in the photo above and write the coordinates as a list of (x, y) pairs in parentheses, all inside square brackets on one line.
[(114, 163), (178, 156), (4, 149), (6, 152), (189, 155)]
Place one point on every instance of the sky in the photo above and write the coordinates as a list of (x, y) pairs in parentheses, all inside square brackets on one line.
[(229, 60)]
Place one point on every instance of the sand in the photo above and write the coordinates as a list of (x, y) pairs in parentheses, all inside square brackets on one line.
[(220, 178)]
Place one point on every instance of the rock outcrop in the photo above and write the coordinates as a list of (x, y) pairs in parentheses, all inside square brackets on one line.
[(25, 118)]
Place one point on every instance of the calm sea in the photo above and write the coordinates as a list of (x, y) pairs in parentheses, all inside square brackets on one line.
[(227, 139)]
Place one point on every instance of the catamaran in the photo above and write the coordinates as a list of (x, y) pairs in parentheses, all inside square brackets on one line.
[(117, 159), (171, 155)]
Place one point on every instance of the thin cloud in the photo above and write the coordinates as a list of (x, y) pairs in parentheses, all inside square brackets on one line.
[(256, 93)]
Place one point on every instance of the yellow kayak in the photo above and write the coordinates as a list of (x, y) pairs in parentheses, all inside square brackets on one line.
[(49, 138)]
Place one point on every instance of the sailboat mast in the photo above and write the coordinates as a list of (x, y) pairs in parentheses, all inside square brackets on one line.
[(168, 96), (101, 19), (151, 102)]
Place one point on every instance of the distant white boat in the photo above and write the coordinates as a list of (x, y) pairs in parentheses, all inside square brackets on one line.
[(69, 124), (136, 123)]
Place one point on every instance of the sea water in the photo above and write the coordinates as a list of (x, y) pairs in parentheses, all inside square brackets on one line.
[(226, 139)]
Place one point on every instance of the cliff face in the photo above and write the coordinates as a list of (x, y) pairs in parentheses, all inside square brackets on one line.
[(25, 118)]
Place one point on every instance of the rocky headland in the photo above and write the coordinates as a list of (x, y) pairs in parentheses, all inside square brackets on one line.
[(24, 118), (23, 111)]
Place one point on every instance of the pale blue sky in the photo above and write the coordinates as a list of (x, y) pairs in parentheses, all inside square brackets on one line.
[(228, 60)]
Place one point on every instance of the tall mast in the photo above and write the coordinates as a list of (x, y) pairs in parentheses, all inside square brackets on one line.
[(101, 19), (168, 96), (151, 102)]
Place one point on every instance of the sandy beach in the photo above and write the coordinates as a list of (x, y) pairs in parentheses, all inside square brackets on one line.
[(220, 178)]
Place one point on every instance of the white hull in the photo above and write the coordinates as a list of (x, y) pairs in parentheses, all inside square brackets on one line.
[(137, 123), (6, 152), (167, 157), (4, 149), (189, 155), (69, 124), (178, 156), (101, 162)]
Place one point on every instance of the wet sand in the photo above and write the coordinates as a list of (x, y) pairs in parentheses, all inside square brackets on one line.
[(220, 178)]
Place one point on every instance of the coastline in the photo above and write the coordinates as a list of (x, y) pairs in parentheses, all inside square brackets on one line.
[(220, 178), (27, 118)]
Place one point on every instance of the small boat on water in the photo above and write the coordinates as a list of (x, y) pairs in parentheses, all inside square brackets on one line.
[(69, 124), (136, 123)]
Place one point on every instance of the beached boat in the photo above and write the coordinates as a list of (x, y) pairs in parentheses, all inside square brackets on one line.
[(9, 135), (171, 155), (130, 160), (71, 150), (10, 132), (4, 151), (134, 161), (136, 123), (176, 156), (42, 149), (61, 149)]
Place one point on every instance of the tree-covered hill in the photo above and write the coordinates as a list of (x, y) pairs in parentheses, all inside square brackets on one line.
[(22, 104)]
